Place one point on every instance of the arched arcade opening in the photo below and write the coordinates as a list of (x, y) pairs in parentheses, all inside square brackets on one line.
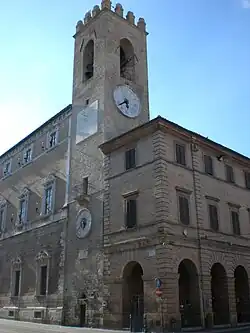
[(189, 294)]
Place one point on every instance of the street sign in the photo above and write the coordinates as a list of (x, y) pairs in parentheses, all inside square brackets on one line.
[(158, 292), (158, 283)]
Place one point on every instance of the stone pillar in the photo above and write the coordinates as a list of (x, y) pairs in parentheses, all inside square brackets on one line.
[(232, 301), (150, 305), (207, 301), (171, 306), (113, 304)]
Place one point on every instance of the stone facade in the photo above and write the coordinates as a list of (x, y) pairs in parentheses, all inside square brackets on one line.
[(160, 242), (67, 253)]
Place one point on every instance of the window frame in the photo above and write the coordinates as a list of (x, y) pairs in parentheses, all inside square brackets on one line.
[(235, 210), (127, 151), (207, 166), (50, 181), (213, 204), (183, 194), (16, 266), (6, 174), (42, 259), (183, 145), (29, 148), (3, 208), (24, 197), (53, 131), (132, 196), (247, 179), (230, 174)]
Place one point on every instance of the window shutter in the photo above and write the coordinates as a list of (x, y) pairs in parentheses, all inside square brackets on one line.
[(184, 210), (130, 159), (180, 154), (208, 164), (247, 179), (229, 174), (236, 223), (131, 213), (213, 213)]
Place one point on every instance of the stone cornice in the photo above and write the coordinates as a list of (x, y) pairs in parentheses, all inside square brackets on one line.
[(32, 137), (169, 127)]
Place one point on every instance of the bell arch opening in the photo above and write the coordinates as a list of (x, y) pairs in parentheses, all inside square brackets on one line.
[(242, 294), (189, 294), (133, 296), (88, 61), (127, 60), (220, 301)]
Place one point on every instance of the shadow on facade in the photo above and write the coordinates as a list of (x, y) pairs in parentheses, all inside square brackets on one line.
[(133, 297), (242, 295), (219, 288), (189, 294)]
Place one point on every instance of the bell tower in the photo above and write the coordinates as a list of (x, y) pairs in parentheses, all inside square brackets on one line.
[(110, 66)]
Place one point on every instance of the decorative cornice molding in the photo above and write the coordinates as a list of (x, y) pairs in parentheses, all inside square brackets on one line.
[(43, 254), (34, 136)]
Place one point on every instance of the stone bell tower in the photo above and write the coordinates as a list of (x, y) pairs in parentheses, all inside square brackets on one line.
[(110, 66)]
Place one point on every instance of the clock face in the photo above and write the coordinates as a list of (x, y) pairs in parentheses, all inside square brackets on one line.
[(83, 223), (127, 101)]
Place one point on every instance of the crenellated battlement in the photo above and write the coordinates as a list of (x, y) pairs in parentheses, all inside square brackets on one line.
[(117, 9)]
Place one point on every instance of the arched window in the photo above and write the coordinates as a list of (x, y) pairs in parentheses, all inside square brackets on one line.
[(88, 61), (127, 60)]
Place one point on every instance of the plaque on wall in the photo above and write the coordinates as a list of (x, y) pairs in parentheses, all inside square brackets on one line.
[(87, 122)]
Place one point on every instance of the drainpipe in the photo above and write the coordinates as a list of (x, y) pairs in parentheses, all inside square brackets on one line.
[(198, 238), (66, 210)]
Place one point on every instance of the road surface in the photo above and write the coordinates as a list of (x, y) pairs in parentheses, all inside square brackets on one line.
[(11, 326)]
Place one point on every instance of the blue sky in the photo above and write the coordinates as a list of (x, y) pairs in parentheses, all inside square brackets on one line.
[(198, 53)]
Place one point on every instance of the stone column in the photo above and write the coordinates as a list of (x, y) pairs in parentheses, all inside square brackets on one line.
[(171, 294), (150, 305), (207, 301), (232, 301), (112, 311)]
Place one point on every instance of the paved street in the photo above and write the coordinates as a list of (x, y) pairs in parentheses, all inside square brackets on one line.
[(9, 326)]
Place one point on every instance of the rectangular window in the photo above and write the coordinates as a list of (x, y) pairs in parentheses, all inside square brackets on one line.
[(43, 281), (235, 222), (17, 283), (38, 314), (22, 210), (7, 168), (247, 179), (208, 162), (131, 213), (27, 155), (52, 139), (180, 154), (48, 200), (130, 159), (184, 210), (213, 215), (229, 173), (2, 217), (85, 185)]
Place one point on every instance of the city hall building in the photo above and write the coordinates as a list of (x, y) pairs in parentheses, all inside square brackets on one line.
[(108, 217)]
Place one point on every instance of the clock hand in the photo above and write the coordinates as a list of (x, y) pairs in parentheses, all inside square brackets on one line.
[(126, 101)]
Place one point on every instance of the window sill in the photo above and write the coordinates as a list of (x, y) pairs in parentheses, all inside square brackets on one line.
[(135, 228), (26, 163)]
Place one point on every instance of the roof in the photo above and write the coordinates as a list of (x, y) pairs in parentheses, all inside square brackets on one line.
[(66, 109), (160, 123)]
